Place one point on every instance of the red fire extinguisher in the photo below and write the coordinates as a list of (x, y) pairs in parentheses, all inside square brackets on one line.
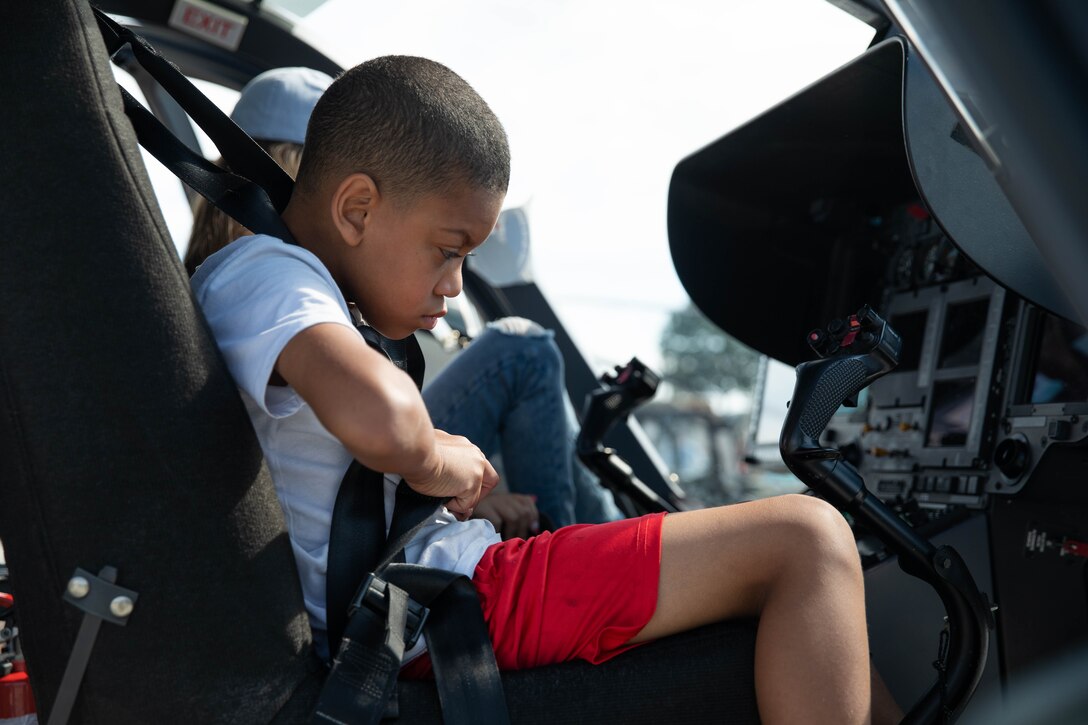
[(16, 698)]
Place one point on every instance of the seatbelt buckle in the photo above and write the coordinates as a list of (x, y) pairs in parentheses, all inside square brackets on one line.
[(372, 595)]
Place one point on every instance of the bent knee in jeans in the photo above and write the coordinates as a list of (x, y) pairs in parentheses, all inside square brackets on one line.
[(522, 340), (518, 326)]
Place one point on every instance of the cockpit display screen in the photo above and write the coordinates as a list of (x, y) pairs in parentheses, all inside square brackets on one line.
[(1061, 367), (911, 327), (950, 416), (964, 330)]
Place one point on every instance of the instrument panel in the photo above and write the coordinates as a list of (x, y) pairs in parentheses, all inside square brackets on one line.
[(986, 382)]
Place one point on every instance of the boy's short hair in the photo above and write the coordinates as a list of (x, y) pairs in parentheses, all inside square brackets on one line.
[(412, 124)]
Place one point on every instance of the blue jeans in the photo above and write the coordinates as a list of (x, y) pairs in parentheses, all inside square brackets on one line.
[(505, 393)]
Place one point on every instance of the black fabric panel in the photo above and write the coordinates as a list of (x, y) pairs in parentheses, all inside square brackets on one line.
[(703, 676), (122, 439)]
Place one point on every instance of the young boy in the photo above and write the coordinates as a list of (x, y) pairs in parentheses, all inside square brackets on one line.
[(513, 371), (404, 174)]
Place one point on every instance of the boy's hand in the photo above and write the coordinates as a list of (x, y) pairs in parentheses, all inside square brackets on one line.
[(514, 515), (462, 473)]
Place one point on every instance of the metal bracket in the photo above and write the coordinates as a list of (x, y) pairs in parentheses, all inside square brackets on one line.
[(100, 599), (99, 596)]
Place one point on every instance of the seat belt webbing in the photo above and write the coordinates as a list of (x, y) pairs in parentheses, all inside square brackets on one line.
[(240, 152), (466, 674), (364, 672), (238, 197), (358, 542)]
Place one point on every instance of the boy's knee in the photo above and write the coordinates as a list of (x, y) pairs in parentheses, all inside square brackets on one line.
[(820, 530)]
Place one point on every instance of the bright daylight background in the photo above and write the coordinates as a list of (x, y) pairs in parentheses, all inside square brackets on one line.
[(601, 99)]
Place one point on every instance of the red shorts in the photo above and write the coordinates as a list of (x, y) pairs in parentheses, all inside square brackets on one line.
[(581, 592)]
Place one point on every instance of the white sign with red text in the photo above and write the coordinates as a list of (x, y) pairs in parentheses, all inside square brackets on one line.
[(209, 22)]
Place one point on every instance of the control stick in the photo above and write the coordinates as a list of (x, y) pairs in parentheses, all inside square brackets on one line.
[(619, 394), (856, 351)]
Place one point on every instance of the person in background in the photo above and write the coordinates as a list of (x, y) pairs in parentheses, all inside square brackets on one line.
[(504, 392)]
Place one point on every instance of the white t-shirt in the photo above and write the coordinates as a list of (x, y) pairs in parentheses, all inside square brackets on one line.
[(257, 293)]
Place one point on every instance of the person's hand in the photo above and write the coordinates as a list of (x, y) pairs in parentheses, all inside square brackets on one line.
[(514, 515), (462, 474)]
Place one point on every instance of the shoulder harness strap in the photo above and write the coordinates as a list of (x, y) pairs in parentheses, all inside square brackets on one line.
[(366, 623)]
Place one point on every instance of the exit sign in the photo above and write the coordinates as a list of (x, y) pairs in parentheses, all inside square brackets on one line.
[(209, 22)]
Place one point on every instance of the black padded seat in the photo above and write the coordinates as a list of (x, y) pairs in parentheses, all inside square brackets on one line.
[(702, 676)]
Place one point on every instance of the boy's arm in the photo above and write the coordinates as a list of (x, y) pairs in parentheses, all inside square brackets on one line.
[(375, 410)]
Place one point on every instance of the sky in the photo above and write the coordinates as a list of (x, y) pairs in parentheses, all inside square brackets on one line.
[(600, 100)]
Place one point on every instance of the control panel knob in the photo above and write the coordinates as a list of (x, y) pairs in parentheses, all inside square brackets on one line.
[(1012, 457)]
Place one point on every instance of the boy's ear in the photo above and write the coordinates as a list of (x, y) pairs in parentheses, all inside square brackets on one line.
[(352, 204)]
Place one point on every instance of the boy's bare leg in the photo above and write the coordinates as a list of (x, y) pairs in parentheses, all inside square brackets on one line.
[(791, 561)]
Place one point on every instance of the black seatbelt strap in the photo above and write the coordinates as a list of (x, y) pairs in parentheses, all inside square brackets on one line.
[(240, 152), (364, 672), (255, 193), (358, 542), (412, 512), (467, 676), (235, 195), (405, 354)]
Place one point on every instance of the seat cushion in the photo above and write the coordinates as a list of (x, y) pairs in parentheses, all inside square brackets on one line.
[(706, 675)]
